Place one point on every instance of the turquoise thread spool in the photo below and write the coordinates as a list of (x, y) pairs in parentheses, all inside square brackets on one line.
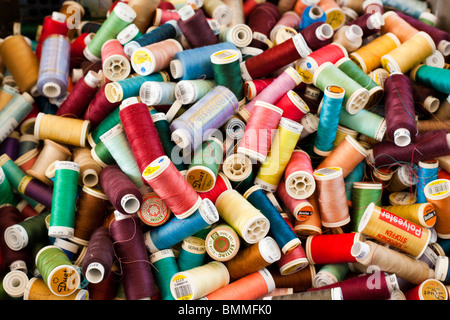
[(192, 253), (165, 267), (65, 193), (6, 193), (13, 113), (427, 172)]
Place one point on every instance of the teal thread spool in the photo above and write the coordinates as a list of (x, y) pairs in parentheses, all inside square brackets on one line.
[(121, 16), (165, 266), (365, 122), (57, 271), (356, 96), (28, 231), (227, 71), (351, 69), (190, 91), (356, 175), (116, 142), (157, 93), (120, 90), (6, 193), (109, 122), (65, 192), (192, 253), (14, 113), (101, 155), (164, 133), (328, 119), (433, 77), (364, 193), (330, 273), (204, 168), (12, 172)]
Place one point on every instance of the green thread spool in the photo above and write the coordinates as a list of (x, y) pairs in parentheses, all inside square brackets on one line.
[(330, 273), (121, 16), (190, 91), (12, 171), (192, 253), (363, 194), (6, 193), (433, 77), (65, 190), (355, 97), (102, 155), (351, 69), (204, 168), (165, 267), (365, 122), (227, 71), (109, 122), (163, 128), (58, 272), (28, 231)]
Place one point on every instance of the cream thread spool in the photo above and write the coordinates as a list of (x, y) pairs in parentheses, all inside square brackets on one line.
[(14, 283), (51, 152), (349, 36), (402, 198)]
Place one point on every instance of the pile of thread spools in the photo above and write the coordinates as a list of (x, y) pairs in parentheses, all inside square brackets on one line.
[(227, 150)]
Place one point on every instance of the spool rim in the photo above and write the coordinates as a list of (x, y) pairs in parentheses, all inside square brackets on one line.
[(357, 101), (306, 179), (230, 171), (95, 272), (15, 282), (16, 237)]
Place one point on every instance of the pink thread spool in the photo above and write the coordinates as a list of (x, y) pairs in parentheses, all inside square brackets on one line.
[(260, 131), (301, 209), (299, 179), (293, 106), (115, 64)]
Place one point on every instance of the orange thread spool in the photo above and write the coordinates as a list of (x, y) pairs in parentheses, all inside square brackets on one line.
[(27, 160), (313, 225), (437, 193), (430, 289), (398, 26), (37, 289)]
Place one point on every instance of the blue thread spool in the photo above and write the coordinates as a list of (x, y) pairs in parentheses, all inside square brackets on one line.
[(282, 233), (157, 93), (427, 172), (310, 15), (195, 63), (175, 230), (192, 253), (328, 119)]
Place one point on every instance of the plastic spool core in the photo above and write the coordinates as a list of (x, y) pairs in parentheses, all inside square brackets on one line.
[(300, 185), (51, 90), (237, 167), (325, 31), (95, 272)]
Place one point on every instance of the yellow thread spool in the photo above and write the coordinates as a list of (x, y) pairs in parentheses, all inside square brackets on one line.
[(409, 54), (396, 231), (239, 213), (63, 130), (422, 214), (368, 57)]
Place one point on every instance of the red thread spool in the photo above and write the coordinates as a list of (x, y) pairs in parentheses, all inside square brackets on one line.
[(293, 106), (301, 209), (332, 52), (121, 191), (99, 108), (54, 24), (250, 287), (172, 187), (430, 289), (141, 133), (195, 27), (260, 130), (115, 63), (249, 6), (331, 248), (132, 254), (254, 87), (80, 97), (162, 15), (76, 49), (222, 184)]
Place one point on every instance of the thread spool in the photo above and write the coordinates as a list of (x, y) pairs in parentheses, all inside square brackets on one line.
[(249, 223), (333, 12), (166, 267), (175, 230), (60, 275), (128, 34), (432, 77), (436, 193), (145, 11), (129, 246), (219, 11), (239, 34), (222, 243), (430, 289), (115, 64), (190, 91), (288, 20), (364, 193), (333, 208), (427, 172), (329, 274), (99, 258), (7, 92), (192, 253), (347, 155), (392, 261), (368, 57), (397, 25), (120, 17), (21, 62), (364, 122), (371, 23), (52, 24), (301, 209), (222, 184), (157, 93), (324, 294), (27, 160), (60, 129), (226, 66), (190, 284), (191, 22), (154, 57), (393, 61), (153, 211), (23, 233), (238, 169), (422, 214), (14, 283), (311, 14), (331, 248), (293, 106), (414, 238), (253, 258), (7, 192), (37, 289), (299, 180), (254, 87), (64, 198), (99, 108), (220, 104), (238, 12), (281, 149), (13, 113), (89, 169)]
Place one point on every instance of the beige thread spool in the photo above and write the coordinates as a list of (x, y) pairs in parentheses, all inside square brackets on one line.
[(145, 10), (237, 6), (393, 230), (350, 37), (89, 168), (51, 152), (437, 193), (413, 270), (402, 179)]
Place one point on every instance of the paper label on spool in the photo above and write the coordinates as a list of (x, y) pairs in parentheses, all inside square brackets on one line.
[(259, 36), (201, 179), (437, 188), (401, 223), (222, 244), (142, 61), (300, 45), (7, 128), (111, 133), (335, 18), (63, 282), (181, 287), (153, 210), (433, 290)]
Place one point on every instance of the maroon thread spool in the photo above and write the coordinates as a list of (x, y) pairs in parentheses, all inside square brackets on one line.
[(195, 27), (261, 21), (99, 108), (318, 35)]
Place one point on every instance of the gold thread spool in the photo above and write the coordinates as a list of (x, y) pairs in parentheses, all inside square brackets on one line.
[(51, 151), (145, 10), (347, 155), (334, 13), (37, 289), (409, 54), (391, 229), (402, 198), (370, 253), (368, 57), (89, 168), (437, 192), (239, 213), (63, 130), (443, 113), (422, 214), (398, 26), (312, 225), (342, 132), (6, 94), (21, 62), (433, 125)]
